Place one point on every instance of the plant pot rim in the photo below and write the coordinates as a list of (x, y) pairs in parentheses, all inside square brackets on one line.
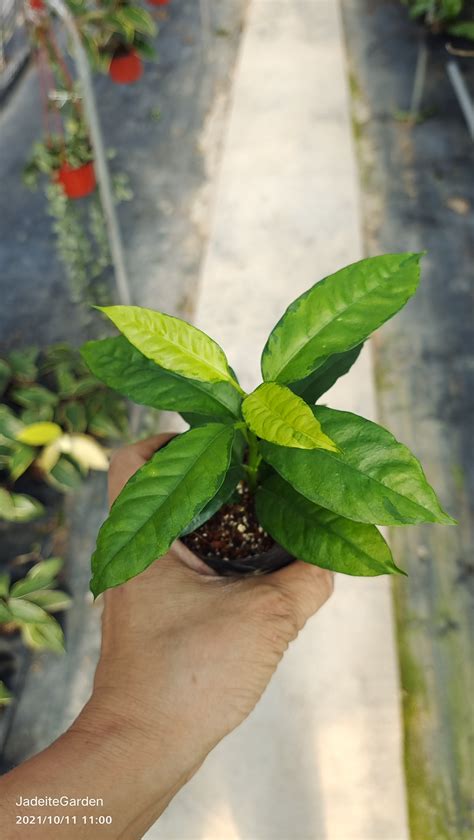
[(257, 564)]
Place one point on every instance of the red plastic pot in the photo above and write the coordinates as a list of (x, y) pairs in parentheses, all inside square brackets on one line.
[(126, 68), (158, 2), (77, 182), (37, 5)]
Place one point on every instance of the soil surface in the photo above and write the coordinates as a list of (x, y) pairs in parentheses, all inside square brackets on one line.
[(233, 533)]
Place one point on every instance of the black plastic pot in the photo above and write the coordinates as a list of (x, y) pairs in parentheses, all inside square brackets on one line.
[(260, 564)]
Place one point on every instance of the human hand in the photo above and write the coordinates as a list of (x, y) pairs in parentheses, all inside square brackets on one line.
[(186, 655)]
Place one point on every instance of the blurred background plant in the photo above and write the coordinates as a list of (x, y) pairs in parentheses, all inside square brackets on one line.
[(455, 17), (27, 604), (54, 419)]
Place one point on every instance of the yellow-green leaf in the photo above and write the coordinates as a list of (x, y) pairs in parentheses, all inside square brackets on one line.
[(277, 415), (39, 434), (172, 343)]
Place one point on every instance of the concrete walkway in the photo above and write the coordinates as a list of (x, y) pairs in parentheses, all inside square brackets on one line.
[(319, 759)]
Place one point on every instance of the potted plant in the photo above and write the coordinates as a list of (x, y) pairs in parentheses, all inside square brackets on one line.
[(67, 160), (264, 477), (117, 36), (453, 18)]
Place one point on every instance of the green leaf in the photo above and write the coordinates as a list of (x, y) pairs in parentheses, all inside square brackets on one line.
[(37, 414), (122, 367), (45, 636), (317, 383), (40, 576), (21, 458), (73, 417), (234, 475), (159, 501), (39, 434), (10, 425), (372, 479), (463, 29), (23, 364), (34, 395), (172, 343), (5, 614), (66, 475), (337, 314), (16, 507), (51, 600), (277, 415), (137, 19), (6, 696), (319, 536), (25, 611), (5, 376), (4, 584)]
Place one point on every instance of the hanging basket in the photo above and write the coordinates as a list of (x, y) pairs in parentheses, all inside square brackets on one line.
[(125, 68), (77, 182)]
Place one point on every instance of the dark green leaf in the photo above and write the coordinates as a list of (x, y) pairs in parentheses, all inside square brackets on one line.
[(72, 417), (21, 458), (234, 475), (38, 414), (317, 383), (65, 475), (10, 425), (23, 364), (34, 395), (337, 314), (5, 375), (319, 536), (122, 367), (372, 479), (159, 501)]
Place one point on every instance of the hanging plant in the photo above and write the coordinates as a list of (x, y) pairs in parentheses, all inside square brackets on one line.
[(126, 66), (67, 160), (117, 36)]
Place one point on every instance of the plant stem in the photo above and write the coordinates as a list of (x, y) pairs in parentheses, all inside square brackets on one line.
[(253, 461)]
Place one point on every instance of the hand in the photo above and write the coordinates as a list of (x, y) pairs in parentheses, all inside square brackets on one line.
[(195, 651), (185, 657)]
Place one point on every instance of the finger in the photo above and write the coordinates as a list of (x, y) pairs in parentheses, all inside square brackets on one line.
[(127, 460), (308, 587)]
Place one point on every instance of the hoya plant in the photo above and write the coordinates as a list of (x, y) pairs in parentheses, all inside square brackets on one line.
[(264, 477), (27, 606)]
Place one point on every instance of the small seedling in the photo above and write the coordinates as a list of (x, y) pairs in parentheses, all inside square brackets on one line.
[(273, 468)]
